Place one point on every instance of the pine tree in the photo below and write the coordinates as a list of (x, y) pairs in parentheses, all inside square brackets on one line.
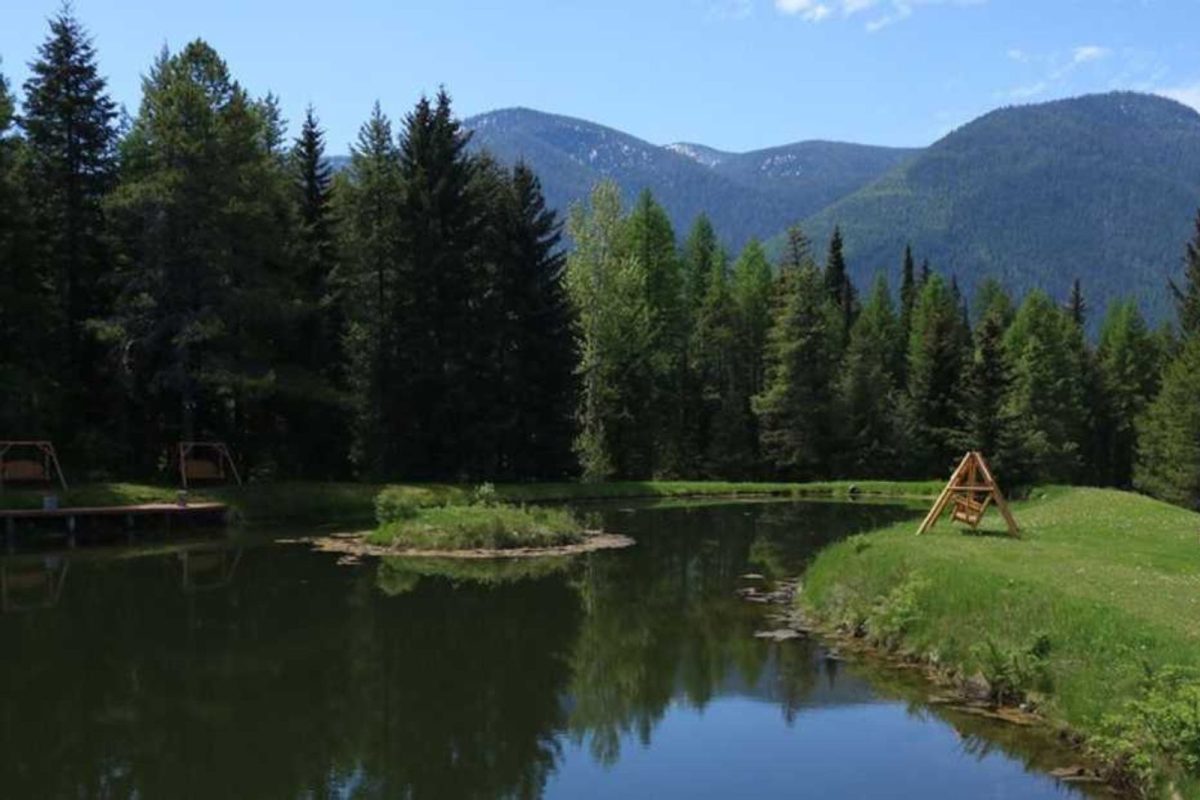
[(699, 260), (650, 241), (615, 332), (370, 233), (866, 390), (24, 337), (797, 250), (1076, 305), (726, 421), (990, 424), (1168, 463), (838, 285), (794, 410), (992, 299), (69, 126), (1044, 347), (1128, 362), (1187, 297), (202, 213), (932, 411), (752, 291), (536, 350), (442, 425)]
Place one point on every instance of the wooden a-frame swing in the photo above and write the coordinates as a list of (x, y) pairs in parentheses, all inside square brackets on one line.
[(193, 467), (42, 468), (972, 488)]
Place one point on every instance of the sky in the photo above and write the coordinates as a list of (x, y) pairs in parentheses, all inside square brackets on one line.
[(732, 74)]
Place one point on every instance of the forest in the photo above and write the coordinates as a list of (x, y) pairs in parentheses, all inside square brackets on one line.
[(191, 273)]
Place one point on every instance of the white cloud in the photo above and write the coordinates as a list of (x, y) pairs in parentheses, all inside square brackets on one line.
[(811, 10), (1188, 95), (1018, 55), (883, 12), (1088, 52)]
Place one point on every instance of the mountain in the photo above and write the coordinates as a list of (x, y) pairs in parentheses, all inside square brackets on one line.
[(745, 194), (1100, 187)]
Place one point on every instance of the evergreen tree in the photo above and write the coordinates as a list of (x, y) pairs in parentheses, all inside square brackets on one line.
[(794, 410), (649, 241), (932, 411), (797, 250), (536, 350), (838, 285), (752, 291), (203, 219), (23, 330), (1044, 346), (991, 299), (1129, 368), (440, 416), (69, 126), (866, 390), (1168, 461), (370, 232), (1187, 297), (615, 332), (726, 422), (319, 415), (990, 424), (1076, 305), (699, 261)]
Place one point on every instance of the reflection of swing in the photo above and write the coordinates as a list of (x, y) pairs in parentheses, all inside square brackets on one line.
[(206, 462), (40, 464), (973, 489), (32, 586), (208, 569)]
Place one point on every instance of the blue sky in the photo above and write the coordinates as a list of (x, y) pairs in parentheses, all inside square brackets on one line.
[(734, 74)]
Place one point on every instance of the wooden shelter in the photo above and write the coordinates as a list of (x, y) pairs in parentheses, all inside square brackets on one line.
[(972, 488), (206, 462), (33, 462)]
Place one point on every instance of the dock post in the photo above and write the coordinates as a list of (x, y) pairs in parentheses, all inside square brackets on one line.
[(71, 531)]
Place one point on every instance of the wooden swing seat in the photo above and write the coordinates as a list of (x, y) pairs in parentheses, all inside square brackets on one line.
[(201, 469), (968, 510), (24, 470)]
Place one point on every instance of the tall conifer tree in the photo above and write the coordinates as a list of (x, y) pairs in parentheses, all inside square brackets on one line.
[(1187, 296)]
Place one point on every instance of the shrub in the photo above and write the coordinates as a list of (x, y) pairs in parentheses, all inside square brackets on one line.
[(395, 505)]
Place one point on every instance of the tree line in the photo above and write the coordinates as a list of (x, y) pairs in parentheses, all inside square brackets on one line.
[(189, 273)]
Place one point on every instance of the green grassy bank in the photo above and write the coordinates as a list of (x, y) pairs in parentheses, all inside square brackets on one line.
[(355, 502), (1094, 614)]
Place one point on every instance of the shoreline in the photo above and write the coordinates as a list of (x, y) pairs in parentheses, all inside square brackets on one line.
[(355, 545)]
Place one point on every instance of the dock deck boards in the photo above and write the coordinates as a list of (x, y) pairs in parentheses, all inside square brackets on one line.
[(142, 510)]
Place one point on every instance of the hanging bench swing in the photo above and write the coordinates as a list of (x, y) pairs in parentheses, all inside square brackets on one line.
[(34, 462), (972, 489), (206, 462)]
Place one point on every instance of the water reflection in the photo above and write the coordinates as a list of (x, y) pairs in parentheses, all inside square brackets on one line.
[(290, 676)]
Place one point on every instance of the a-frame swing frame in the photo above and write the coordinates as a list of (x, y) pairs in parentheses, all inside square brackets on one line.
[(972, 488)]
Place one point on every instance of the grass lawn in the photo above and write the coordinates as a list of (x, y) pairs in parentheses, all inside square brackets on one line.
[(314, 502), (469, 527), (1101, 591)]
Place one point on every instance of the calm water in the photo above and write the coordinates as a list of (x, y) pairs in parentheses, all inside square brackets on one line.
[(274, 672)]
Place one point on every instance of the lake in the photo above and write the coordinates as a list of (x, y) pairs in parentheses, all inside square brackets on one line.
[(251, 668)]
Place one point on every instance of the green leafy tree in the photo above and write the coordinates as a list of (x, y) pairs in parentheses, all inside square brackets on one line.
[(992, 299), (615, 333), (71, 138), (795, 408), (866, 391), (1168, 460)]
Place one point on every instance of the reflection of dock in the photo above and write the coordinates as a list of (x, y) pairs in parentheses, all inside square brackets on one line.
[(164, 514), (33, 585)]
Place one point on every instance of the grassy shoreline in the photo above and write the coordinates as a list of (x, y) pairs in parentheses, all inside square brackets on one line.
[(1092, 615), (345, 502)]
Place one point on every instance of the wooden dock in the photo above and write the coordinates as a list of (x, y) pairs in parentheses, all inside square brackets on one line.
[(127, 516)]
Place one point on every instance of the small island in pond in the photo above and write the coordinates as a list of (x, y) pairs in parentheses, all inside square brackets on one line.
[(481, 527)]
